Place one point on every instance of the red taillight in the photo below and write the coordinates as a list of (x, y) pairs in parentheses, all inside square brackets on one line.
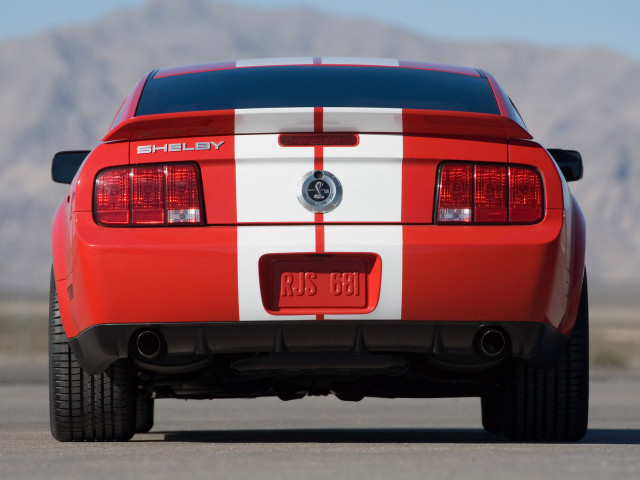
[(112, 197), (148, 195), (183, 194), (456, 194), (491, 194), (525, 193), (481, 193), (147, 199)]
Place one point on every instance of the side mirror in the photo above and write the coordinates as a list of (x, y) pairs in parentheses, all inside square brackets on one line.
[(65, 165), (569, 161)]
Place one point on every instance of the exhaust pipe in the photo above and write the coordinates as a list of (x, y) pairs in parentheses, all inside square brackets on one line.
[(493, 342), (149, 344)]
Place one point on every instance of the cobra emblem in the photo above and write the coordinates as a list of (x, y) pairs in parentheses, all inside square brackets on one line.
[(319, 191)]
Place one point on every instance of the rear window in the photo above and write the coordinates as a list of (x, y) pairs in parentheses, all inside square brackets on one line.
[(317, 86)]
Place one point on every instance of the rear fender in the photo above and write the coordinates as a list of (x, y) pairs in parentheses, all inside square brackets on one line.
[(79, 198), (578, 241), (61, 266)]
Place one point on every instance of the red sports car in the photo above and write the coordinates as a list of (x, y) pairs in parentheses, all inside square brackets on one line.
[(314, 226)]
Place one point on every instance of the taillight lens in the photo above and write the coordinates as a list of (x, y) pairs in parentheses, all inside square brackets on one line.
[(112, 197), (456, 198), (147, 199), (481, 193), (525, 194), (491, 194), (183, 194), (148, 195)]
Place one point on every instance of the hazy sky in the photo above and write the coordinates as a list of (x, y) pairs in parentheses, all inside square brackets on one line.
[(611, 24)]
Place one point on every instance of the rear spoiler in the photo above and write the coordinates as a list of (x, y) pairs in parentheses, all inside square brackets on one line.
[(255, 121)]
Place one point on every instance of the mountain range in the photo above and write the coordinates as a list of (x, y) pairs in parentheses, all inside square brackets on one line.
[(59, 90)]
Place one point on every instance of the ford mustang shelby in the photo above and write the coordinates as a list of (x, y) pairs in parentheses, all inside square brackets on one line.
[(355, 227)]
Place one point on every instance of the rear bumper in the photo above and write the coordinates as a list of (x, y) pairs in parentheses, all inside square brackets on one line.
[(450, 345), (154, 276), (199, 289)]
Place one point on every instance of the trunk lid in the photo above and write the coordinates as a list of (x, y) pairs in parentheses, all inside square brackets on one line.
[(387, 176)]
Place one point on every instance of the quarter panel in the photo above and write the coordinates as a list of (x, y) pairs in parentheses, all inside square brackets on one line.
[(60, 230), (578, 244)]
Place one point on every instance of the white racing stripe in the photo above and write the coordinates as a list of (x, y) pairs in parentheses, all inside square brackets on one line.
[(266, 191), (381, 62), (265, 62), (386, 241), (270, 120), (356, 119), (371, 177), (253, 242), (267, 176)]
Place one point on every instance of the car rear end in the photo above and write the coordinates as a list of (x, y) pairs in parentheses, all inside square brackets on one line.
[(348, 239)]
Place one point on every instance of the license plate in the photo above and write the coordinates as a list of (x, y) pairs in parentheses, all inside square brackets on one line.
[(308, 281)]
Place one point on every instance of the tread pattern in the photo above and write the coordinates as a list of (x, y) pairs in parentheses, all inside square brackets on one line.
[(491, 413), (551, 404), (144, 413), (84, 407)]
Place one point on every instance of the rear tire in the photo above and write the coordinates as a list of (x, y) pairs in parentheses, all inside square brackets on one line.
[(144, 413), (551, 404), (491, 413), (84, 407)]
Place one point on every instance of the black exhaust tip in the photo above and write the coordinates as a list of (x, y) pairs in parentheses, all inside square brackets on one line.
[(492, 342), (149, 344)]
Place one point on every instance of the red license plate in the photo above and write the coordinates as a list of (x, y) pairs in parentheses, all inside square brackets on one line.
[(321, 281)]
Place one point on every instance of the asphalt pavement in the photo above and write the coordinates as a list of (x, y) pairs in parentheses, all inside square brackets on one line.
[(319, 438)]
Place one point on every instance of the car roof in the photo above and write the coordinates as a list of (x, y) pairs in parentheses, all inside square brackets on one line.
[(152, 99), (343, 61)]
